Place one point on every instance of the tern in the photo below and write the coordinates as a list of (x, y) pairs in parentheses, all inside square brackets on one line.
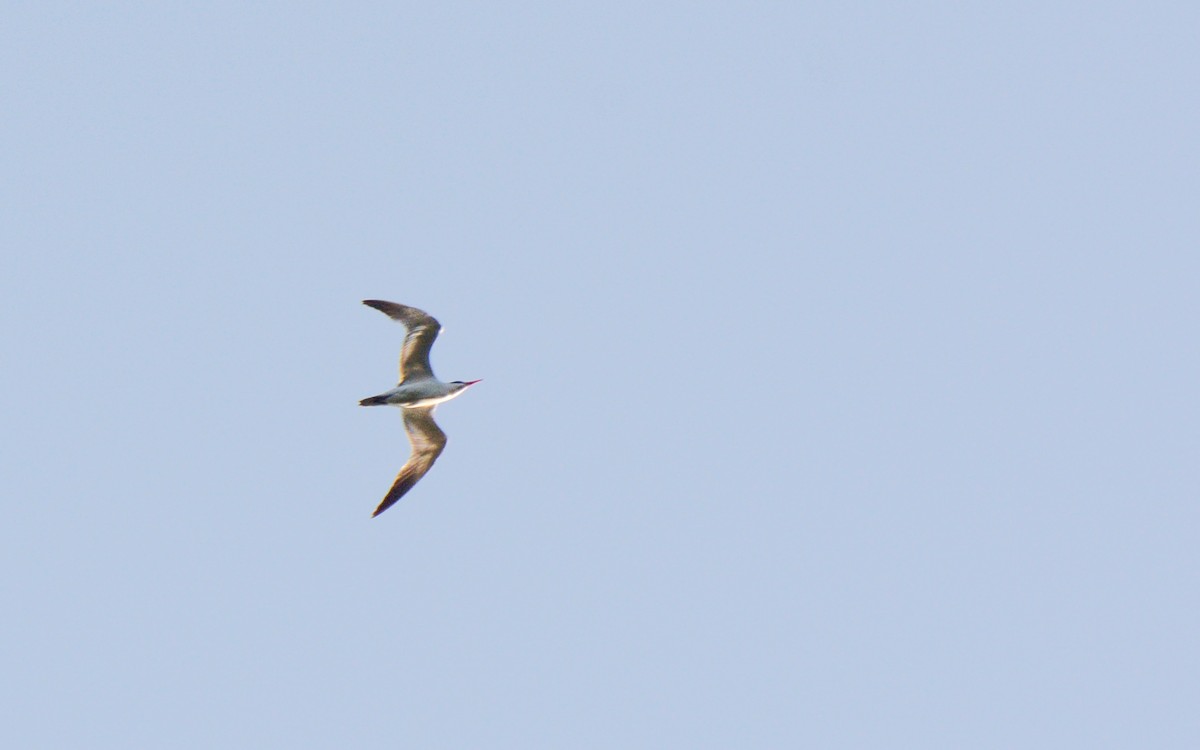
[(418, 394)]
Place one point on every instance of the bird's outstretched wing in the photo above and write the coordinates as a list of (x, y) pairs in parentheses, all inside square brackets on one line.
[(422, 330), (428, 441)]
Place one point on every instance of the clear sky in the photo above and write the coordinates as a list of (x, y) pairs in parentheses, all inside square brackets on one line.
[(840, 375)]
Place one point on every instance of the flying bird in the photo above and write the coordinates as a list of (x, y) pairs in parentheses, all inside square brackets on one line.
[(418, 394)]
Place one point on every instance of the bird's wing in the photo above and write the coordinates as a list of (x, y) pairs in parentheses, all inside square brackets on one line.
[(427, 440), (422, 330)]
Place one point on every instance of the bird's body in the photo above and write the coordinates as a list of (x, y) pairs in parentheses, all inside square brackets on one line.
[(414, 395), (418, 393)]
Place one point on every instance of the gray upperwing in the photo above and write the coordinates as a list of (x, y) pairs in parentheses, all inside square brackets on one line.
[(427, 441), (422, 331)]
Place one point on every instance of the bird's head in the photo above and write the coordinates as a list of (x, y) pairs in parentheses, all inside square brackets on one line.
[(460, 385)]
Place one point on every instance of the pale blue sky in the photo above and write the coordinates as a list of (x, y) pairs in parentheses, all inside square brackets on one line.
[(840, 367)]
